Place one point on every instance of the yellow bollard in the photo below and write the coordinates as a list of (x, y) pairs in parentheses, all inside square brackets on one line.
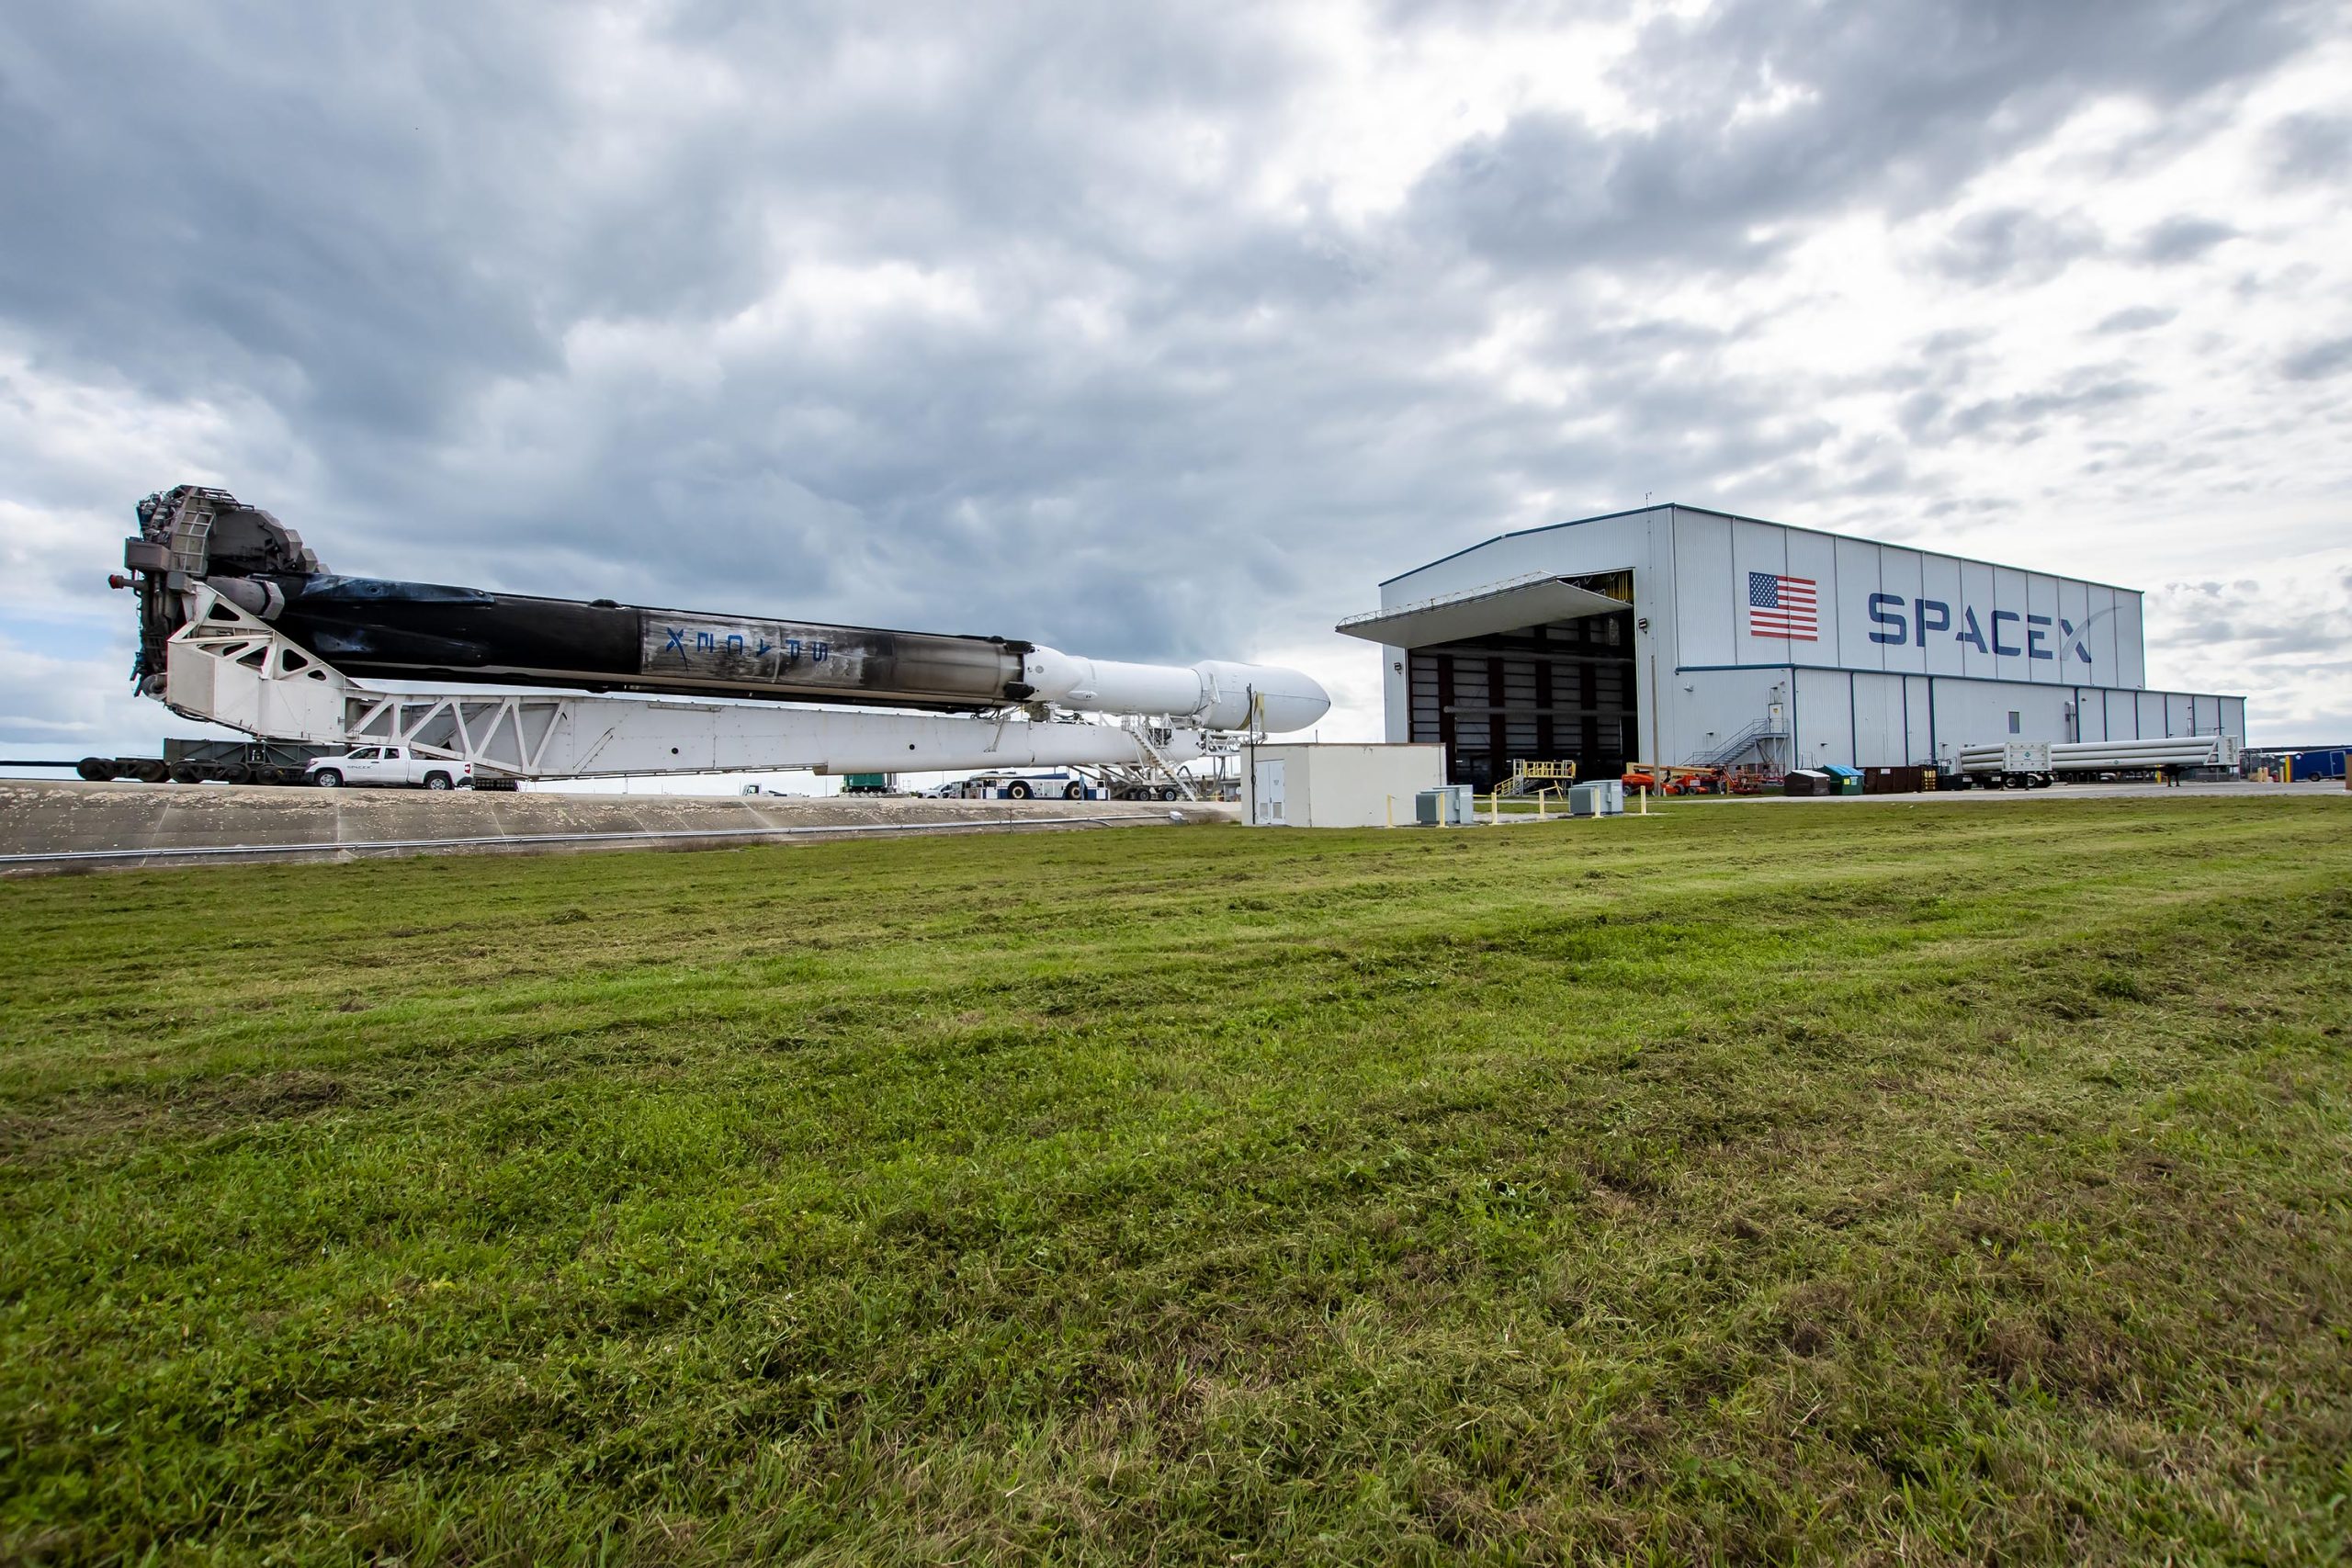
[(1645, 802), (1392, 810)]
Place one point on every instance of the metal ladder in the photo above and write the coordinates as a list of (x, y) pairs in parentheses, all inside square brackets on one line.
[(1143, 739)]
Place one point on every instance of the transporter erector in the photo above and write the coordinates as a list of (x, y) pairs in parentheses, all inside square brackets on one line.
[(241, 624)]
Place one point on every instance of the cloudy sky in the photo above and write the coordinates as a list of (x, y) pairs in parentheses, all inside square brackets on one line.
[(1166, 332)]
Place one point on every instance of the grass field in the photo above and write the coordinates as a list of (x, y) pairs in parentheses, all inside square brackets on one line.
[(1949, 1182)]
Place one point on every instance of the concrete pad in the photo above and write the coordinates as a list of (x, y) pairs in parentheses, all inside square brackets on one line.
[(46, 825)]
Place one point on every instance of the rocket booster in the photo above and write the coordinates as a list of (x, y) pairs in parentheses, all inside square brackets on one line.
[(369, 627)]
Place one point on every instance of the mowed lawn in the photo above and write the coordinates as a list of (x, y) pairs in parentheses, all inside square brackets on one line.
[(1958, 1181)]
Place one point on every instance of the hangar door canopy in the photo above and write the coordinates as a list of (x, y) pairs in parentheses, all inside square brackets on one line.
[(1539, 669)]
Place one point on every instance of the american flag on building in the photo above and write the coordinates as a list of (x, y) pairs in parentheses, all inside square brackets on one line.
[(1782, 607)]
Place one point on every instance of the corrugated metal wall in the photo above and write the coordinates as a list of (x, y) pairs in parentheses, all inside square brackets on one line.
[(1909, 651), (1886, 608)]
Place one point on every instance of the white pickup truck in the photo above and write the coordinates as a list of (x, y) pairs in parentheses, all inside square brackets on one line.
[(390, 767)]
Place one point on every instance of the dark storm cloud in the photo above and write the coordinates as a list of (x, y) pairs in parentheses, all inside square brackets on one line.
[(2311, 147), (2011, 245), (2182, 239), (1892, 105), (1937, 418), (978, 317), (2248, 614), (282, 201), (2318, 361), (2136, 318), (382, 218)]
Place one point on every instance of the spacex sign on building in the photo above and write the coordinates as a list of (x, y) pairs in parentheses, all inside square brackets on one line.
[(1678, 635)]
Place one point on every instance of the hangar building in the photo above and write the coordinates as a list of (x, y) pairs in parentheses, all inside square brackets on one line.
[(1673, 634)]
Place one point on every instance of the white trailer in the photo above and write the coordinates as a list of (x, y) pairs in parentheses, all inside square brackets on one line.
[(2017, 764)]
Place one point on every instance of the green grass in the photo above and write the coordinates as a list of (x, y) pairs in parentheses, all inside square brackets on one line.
[(1891, 1183)]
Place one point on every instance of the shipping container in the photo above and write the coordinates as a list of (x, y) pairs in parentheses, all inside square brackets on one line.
[(1891, 781)]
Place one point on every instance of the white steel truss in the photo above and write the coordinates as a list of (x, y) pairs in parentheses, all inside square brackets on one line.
[(227, 667)]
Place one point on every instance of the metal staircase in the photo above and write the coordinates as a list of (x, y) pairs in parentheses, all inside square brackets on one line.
[(1181, 781), (1731, 751)]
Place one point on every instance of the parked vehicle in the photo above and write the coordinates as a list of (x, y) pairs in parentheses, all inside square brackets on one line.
[(1018, 787), (392, 767)]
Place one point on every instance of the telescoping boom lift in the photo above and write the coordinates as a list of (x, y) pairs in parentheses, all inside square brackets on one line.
[(241, 625)]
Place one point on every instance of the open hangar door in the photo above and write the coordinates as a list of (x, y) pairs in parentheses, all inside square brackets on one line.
[(1538, 671)]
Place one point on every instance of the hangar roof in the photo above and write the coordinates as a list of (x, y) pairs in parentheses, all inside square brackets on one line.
[(1670, 507), (1496, 608)]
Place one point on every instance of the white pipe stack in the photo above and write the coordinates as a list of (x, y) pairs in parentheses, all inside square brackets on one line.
[(2070, 756)]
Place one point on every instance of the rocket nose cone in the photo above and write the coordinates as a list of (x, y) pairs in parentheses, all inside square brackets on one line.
[(1252, 697), (1288, 699)]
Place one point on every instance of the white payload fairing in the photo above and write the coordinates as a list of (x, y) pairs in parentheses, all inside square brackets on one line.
[(1213, 693)]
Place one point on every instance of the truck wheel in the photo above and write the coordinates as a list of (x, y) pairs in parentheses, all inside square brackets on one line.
[(1074, 792), (327, 778), (1016, 790), (436, 781), (1169, 792)]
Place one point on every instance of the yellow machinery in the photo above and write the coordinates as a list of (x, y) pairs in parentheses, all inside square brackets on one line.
[(1532, 778)]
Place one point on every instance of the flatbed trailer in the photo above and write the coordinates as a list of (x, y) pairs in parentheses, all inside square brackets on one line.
[(2037, 764)]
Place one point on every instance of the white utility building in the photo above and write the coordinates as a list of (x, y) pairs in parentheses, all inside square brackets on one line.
[(1677, 635), (1336, 785)]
